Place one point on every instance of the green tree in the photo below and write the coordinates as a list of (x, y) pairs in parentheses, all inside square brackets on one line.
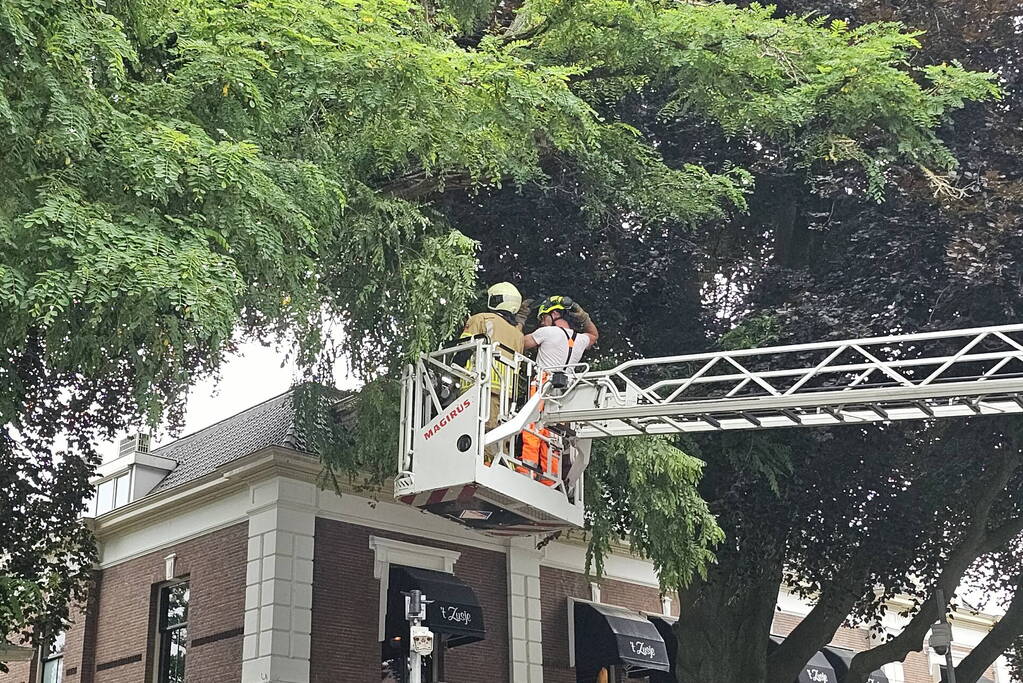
[(834, 513), (180, 173)]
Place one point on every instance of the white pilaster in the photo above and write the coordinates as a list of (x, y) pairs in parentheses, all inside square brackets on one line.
[(279, 582), (526, 642), (666, 605)]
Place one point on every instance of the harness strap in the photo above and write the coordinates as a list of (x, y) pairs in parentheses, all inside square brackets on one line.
[(571, 344)]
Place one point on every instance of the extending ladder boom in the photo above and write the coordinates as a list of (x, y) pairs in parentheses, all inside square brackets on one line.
[(468, 409), (900, 377)]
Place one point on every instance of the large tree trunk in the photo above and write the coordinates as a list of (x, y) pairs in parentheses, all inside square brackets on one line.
[(724, 635)]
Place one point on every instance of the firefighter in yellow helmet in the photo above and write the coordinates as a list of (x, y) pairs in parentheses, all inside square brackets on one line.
[(504, 320), (565, 332), (502, 323)]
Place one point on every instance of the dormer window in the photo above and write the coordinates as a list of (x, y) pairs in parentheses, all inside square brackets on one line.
[(111, 493), (129, 475)]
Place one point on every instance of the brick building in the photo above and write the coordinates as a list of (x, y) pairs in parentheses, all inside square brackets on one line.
[(223, 560)]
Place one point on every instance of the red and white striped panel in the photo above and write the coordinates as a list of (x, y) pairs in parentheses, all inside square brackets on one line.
[(459, 493), (523, 529)]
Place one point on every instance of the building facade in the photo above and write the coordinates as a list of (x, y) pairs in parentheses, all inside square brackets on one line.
[(223, 560)]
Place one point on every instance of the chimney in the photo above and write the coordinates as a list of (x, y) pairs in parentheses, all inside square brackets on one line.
[(137, 443)]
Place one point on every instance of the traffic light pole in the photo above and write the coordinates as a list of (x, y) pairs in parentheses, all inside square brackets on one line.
[(943, 619), (420, 640)]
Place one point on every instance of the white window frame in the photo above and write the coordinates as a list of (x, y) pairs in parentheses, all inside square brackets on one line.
[(937, 661), (127, 474), (387, 551), (894, 672), (158, 633), (44, 656)]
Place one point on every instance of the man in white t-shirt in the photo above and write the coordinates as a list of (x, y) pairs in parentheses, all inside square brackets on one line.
[(557, 341), (559, 346)]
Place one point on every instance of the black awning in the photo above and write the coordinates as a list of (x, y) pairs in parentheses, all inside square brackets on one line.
[(453, 610), (817, 670), (840, 658), (664, 625), (944, 676), (615, 636)]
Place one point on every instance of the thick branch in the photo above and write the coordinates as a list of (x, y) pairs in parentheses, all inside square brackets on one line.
[(516, 32), (973, 544), (1001, 535), (995, 642), (810, 635), (601, 74), (415, 186)]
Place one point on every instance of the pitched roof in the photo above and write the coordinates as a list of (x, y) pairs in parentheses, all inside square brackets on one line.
[(270, 423)]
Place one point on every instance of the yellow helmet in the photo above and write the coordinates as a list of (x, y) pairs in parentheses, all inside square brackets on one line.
[(553, 303), (504, 296)]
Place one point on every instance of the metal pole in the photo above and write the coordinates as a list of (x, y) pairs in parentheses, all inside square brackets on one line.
[(415, 667), (940, 597), (413, 614)]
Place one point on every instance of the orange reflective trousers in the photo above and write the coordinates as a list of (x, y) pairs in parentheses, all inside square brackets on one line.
[(538, 456)]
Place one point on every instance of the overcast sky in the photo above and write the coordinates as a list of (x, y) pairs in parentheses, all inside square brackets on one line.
[(256, 374)]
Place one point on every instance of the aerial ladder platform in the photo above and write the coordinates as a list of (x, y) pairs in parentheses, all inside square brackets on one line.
[(465, 408)]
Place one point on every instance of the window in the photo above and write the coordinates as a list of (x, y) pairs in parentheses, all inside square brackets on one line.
[(387, 552), (105, 496), (123, 488), (53, 661), (394, 654), (173, 633), (110, 494)]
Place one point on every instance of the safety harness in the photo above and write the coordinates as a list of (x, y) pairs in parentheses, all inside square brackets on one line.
[(571, 345)]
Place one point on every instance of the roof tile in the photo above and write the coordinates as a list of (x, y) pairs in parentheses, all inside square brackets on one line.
[(270, 423)]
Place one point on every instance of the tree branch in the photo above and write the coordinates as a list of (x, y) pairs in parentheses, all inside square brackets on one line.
[(414, 186), (959, 560), (516, 32), (999, 536), (996, 641), (598, 74), (810, 635)]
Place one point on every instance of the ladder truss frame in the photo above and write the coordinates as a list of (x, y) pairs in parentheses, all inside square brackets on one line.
[(854, 381)]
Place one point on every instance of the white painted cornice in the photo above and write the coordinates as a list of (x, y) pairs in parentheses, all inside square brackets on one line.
[(163, 505), (125, 462)]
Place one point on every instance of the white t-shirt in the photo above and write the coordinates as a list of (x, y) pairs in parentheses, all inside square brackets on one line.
[(552, 349)]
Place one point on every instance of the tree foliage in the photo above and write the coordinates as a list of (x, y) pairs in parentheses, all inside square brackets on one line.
[(834, 513), (665, 516), (180, 173)]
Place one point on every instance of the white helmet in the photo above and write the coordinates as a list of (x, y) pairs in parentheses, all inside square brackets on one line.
[(504, 297)]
